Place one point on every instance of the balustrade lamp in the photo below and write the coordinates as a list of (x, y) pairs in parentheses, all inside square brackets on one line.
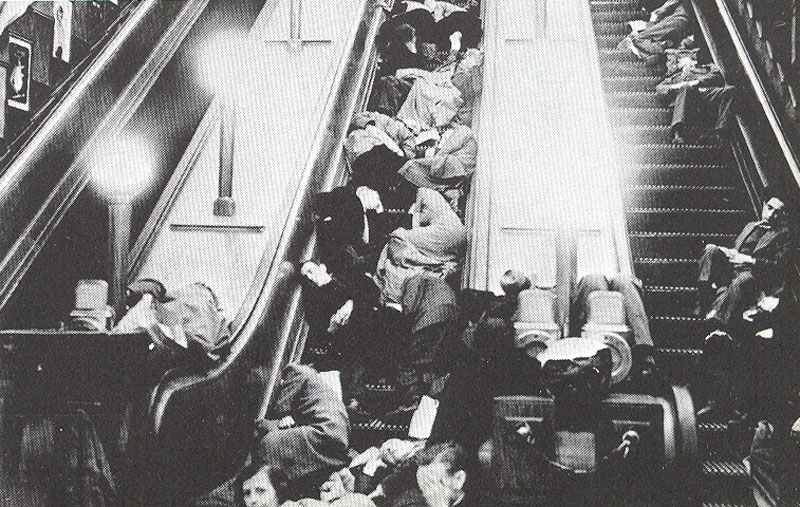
[(119, 174)]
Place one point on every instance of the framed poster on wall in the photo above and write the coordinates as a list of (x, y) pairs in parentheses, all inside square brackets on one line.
[(18, 80)]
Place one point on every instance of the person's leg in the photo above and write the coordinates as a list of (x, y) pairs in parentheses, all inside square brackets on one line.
[(685, 113), (729, 305), (417, 363), (721, 100), (635, 312), (580, 307), (713, 269)]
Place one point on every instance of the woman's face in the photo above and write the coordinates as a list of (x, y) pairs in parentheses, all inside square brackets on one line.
[(258, 491)]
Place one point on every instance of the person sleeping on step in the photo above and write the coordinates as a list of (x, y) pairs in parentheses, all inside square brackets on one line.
[(433, 246)]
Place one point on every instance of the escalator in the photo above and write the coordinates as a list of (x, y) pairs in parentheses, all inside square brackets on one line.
[(54, 224), (677, 199)]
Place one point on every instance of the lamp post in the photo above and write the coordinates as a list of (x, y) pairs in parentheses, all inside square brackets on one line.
[(224, 205), (119, 233), (119, 173)]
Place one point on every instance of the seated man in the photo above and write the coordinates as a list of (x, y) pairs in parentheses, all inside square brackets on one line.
[(429, 304), (635, 315), (306, 431), (450, 159), (697, 93), (669, 24), (730, 280)]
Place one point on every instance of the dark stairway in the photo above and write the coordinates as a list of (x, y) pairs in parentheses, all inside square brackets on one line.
[(677, 198)]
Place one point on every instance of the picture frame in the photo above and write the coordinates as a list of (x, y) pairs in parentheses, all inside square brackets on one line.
[(18, 80)]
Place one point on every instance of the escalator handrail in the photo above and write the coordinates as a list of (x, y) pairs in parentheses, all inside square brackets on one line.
[(760, 91), (37, 228), (275, 281), (58, 94)]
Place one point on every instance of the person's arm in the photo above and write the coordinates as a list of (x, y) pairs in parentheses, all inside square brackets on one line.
[(458, 163), (713, 78), (666, 87)]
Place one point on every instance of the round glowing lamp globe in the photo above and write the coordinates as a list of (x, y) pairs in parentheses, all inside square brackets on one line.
[(121, 171)]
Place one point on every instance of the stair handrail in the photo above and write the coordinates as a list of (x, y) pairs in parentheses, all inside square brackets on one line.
[(760, 91)]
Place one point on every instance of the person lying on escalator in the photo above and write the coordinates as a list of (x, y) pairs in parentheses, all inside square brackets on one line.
[(668, 25), (187, 324), (351, 230), (433, 246), (347, 318), (402, 51), (484, 365), (700, 99), (445, 24), (443, 160), (644, 366)]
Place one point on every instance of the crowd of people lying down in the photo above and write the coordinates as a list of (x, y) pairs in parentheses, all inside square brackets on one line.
[(383, 302)]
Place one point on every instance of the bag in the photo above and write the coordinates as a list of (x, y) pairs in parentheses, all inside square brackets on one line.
[(577, 370)]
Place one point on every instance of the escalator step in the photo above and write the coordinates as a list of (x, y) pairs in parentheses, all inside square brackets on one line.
[(608, 41), (373, 433), (681, 174), (611, 28), (612, 6), (684, 220), (662, 270), (670, 300), (617, 55), (633, 99), (724, 468), (643, 134), (652, 244), (638, 69), (678, 332), (672, 154), (630, 83), (640, 116), (683, 196), (612, 15)]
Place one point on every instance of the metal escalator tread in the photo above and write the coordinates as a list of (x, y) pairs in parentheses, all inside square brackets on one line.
[(724, 467)]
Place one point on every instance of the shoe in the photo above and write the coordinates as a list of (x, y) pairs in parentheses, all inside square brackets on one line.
[(712, 410)]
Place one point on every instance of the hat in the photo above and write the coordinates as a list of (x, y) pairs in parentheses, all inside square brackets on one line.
[(91, 312), (427, 135)]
